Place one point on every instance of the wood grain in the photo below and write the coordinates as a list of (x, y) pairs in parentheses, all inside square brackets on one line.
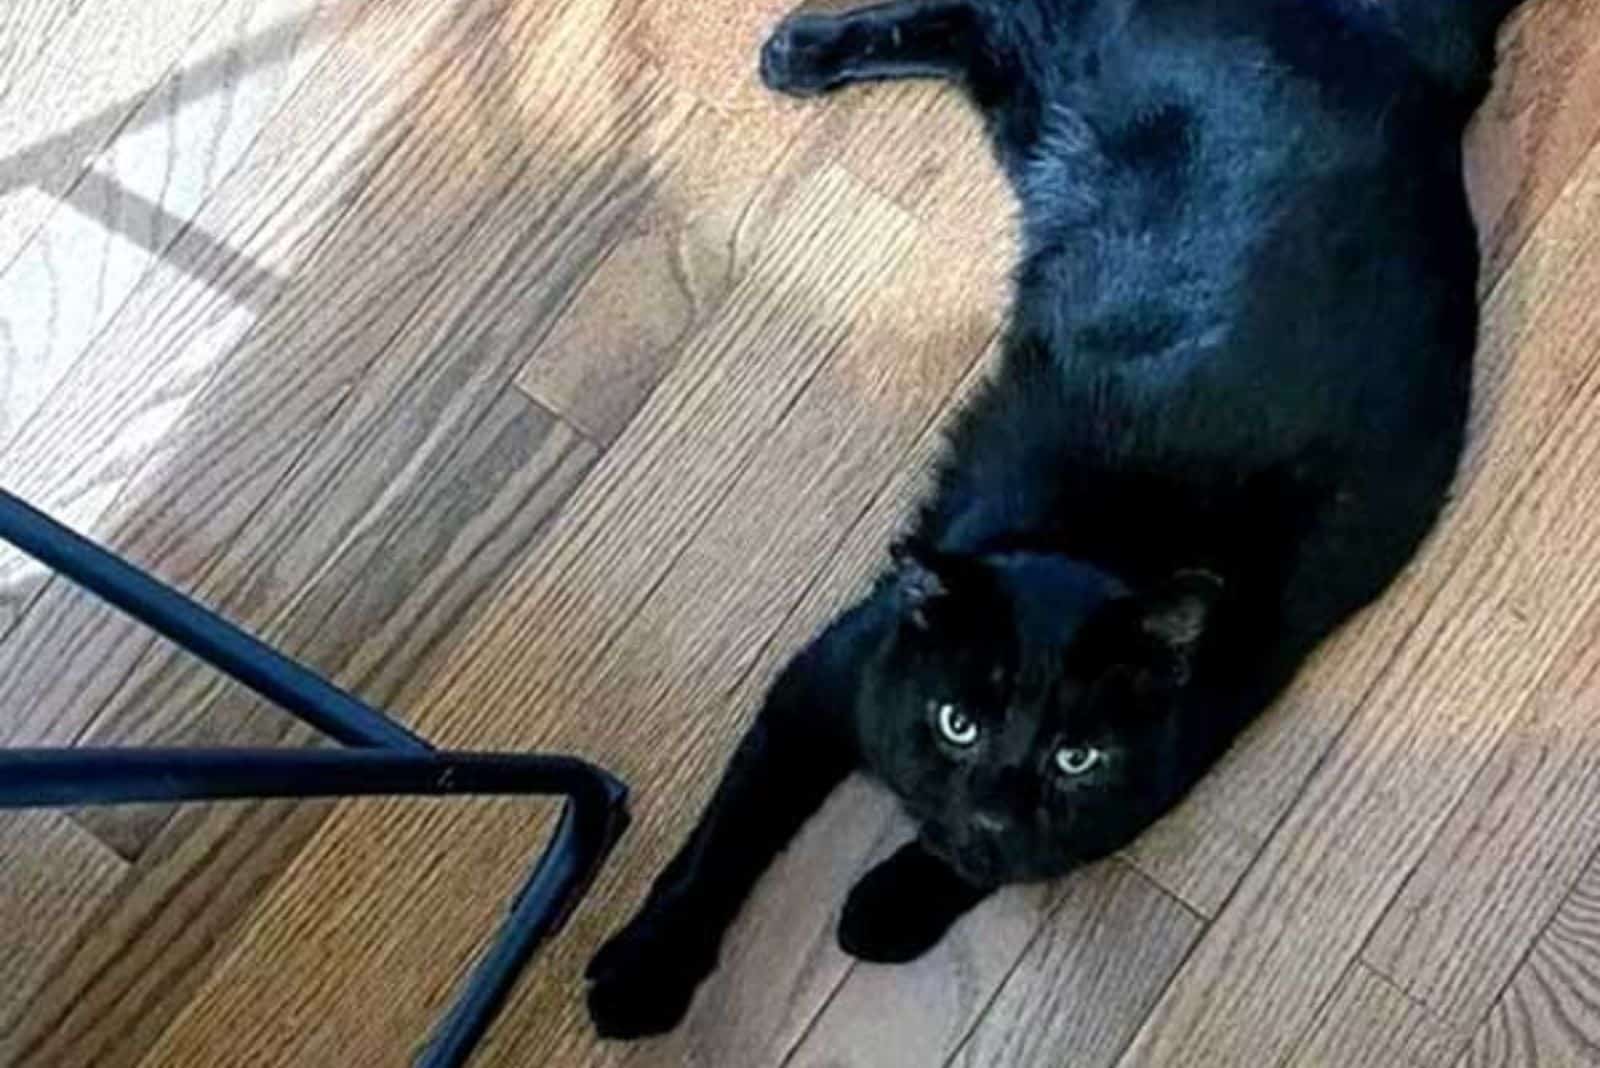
[(118, 412), (79, 268), (1538, 123), (428, 553), (1364, 821), (61, 111), (133, 222), (712, 50), (439, 387), (29, 25), (1098, 966), (406, 418), (679, 659), (434, 567), (1511, 850), (819, 429), (920, 146), (781, 963), (662, 283), (960, 975), (1036, 973), (1550, 1014), (734, 386), (934, 1001), (52, 877), (283, 406), (1371, 1021), (111, 989)]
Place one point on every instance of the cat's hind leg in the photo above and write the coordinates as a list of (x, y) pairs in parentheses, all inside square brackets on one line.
[(813, 53)]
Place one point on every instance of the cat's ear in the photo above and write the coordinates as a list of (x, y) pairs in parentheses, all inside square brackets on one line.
[(1178, 614), (918, 584)]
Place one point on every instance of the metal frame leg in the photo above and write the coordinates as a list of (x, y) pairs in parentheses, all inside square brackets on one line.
[(381, 758)]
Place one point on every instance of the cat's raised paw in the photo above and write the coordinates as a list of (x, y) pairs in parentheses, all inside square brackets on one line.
[(641, 983), (800, 57)]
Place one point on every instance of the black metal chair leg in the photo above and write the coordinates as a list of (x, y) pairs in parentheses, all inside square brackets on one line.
[(381, 757)]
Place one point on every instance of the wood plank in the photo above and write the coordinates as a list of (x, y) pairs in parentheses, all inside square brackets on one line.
[(1040, 972), (934, 1002), (381, 620), (1531, 363), (393, 598), (25, 35), (431, 387), (711, 50), (1081, 989), (60, 112), (603, 619), (923, 145), (738, 1020), (110, 991), (112, 997), (1537, 125), (52, 877), (917, 145), (656, 290), (658, 287), (1371, 1021), (1487, 637), (82, 264), (789, 317), (1550, 1014), (1509, 853), (672, 670), (443, 214), (120, 405)]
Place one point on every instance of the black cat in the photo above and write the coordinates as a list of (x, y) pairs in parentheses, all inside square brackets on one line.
[(1232, 398)]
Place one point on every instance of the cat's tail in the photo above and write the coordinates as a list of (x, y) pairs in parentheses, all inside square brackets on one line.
[(1453, 40)]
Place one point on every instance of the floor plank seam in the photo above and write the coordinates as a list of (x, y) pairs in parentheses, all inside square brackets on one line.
[(1529, 231), (1320, 1016), (1512, 974), (932, 426), (799, 1041), (1161, 994)]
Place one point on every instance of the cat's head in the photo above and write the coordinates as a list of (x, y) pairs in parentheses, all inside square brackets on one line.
[(1027, 709)]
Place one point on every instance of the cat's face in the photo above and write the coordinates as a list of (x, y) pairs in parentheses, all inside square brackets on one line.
[(1026, 709)]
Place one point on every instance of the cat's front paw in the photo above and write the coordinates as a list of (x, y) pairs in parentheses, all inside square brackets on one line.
[(799, 57), (882, 924), (641, 982)]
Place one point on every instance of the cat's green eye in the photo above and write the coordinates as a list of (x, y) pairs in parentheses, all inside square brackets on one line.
[(1075, 760), (957, 727)]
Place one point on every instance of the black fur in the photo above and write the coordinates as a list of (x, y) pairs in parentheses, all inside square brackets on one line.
[(1232, 398)]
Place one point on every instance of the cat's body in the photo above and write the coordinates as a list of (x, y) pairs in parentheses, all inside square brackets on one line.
[(1231, 400)]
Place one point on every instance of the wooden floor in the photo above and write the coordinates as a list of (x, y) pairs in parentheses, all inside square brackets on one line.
[(526, 368)]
